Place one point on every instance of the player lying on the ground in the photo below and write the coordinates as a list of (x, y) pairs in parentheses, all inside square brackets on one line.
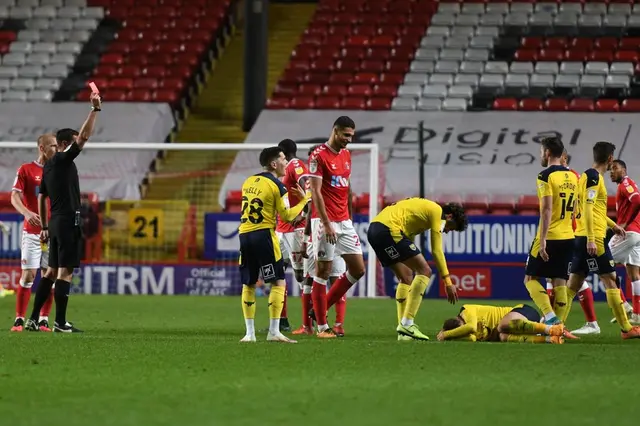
[(485, 323), (263, 196), (391, 235), (591, 253)]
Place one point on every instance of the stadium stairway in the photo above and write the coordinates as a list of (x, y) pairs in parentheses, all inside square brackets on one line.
[(217, 115)]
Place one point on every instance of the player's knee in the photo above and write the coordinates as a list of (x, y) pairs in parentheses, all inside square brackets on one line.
[(323, 270), (424, 269), (404, 278), (65, 274), (26, 280), (504, 337), (356, 272), (50, 273), (609, 281)]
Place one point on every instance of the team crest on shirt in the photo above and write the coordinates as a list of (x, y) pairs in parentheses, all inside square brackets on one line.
[(313, 166), (268, 272), (413, 247), (612, 263), (392, 252), (630, 189)]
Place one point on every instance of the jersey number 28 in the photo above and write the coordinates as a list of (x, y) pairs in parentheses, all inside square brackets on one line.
[(567, 204), (255, 206)]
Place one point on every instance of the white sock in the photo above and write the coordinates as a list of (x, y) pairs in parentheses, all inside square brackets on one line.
[(43, 319), (635, 288), (549, 316), (274, 326), (406, 322), (323, 327), (306, 289), (584, 287), (251, 330), (351, 279), (628, 307), (549, 286)]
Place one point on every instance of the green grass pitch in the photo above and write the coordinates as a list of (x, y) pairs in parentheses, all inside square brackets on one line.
[(177, 360)]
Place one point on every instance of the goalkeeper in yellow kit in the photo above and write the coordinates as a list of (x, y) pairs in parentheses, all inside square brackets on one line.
[(391, 234), (485, 323)]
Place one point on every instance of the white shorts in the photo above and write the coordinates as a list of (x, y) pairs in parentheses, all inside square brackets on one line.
[(291, 247), (33, 254), (338, 267), (627, 250), (347, 242)]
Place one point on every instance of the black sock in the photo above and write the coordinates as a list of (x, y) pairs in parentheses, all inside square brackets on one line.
[(42, 294), (61, 296)]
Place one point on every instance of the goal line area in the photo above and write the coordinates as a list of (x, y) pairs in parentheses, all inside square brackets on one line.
[(162, 218)]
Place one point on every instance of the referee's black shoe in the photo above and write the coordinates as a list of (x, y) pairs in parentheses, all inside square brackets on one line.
[(66, 328)]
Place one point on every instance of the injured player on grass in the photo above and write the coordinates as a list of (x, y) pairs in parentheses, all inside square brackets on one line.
[(485, 323)]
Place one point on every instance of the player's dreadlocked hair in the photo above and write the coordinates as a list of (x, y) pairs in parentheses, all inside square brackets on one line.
[(451, 323), (458, 215)]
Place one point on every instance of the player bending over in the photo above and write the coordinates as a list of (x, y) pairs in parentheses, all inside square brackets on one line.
[(33, 252), (291, 235), (333, 234), (484, 323), (263, 195), (591, 254), (551, 250), (627, 250), (391, 235)]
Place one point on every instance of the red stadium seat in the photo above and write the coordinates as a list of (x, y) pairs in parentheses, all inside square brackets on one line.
[(114, 95), (308, 89), (317, 77), (502, 204), (112, 59), (328, 102), (129, 71), (363, 90), (150, 71), (140, 95), (554, 55), (372, 66), (601, 55), (556, 105), (530, 105), (328, 52), (302, 102), (341, 78), (163, 95), (379, 104), (629, 43), (505, 104), (630, 105), (148, 84), (626, 56), (527, 55), (391, 78), (397, 67), (385, 90), (606, 43), (556, 43), (365, 78), (335, 90), (581, 43), (476, 201), (105, 71), (351, 102), (403, 53), (582, 105), (278, 103), (607, 105), (576, 55), (174, 84), (353, 52), (533, 43), (121, 84), (528, 202)]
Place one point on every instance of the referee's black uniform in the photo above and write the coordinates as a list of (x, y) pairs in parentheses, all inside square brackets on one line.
[(61, 185)]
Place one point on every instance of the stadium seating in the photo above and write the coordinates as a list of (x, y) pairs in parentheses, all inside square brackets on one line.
[(140, 51), (480, 55)]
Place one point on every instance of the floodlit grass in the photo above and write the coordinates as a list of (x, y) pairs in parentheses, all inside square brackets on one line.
[(176, 360)]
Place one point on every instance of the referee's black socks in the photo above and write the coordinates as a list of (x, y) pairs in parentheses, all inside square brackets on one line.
[(42, 294), (61, 296)]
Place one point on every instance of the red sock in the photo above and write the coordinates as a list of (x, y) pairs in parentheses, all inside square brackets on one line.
[(306, 305), (338, 289), (636, 304), (552, 295), (622, 296), (283, 314), (46, 308), (586, 301), (23, 295), (319, 298), (341, 309)]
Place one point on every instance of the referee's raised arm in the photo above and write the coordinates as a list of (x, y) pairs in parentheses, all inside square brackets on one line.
[(87, 128)]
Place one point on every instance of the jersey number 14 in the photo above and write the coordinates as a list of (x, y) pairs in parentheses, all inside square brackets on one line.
[(567, 204)]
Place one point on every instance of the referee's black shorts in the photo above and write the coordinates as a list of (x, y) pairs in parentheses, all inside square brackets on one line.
[(65, 243)]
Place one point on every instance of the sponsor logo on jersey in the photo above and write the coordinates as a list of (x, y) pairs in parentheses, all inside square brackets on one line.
[(339, 181), (299, 170), (630, 189)]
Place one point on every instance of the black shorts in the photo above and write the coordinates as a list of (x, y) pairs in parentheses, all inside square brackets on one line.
[(528, 312), (65, 244), (390, 249), (583, 263), (260, 256), (560, 253)]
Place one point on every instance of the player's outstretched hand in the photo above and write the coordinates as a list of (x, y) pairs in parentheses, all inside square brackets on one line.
[(44, 235), (543, 250), (591, 249), (452, 293), (298, 192), (33, 219), (96, 100), (440, 336), (619, 230)]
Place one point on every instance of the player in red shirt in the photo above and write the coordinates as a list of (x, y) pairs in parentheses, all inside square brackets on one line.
[(626, 250), (333, 234), (24, 197), (291, 235)]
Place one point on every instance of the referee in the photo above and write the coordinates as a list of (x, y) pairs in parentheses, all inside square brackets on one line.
[(60, 184)]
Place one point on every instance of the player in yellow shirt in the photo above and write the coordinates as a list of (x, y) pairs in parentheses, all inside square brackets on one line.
[(485, 323), (391, 234), (264, 196), (591, 253), (551, 251)]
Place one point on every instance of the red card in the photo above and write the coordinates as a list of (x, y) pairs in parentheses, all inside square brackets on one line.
[(93, 87)]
